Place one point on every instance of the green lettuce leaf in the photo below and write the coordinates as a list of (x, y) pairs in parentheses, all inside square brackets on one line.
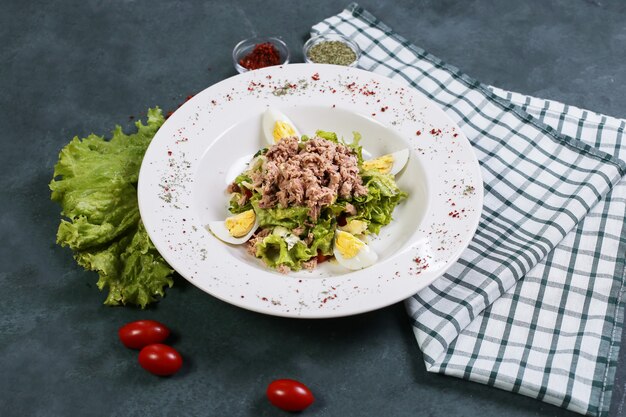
[(357, 149), (131, 269), (290, 217), (384, 183), (95, 182), (382, 198), (273, 251), (323, 234), (234, 206), (331, 136), (243, 177)]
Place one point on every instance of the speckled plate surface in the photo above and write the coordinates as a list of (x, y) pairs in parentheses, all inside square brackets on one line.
[(202, 146)]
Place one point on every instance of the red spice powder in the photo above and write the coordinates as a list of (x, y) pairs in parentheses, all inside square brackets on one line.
[(262, 55), (454, 214), (171, 112)]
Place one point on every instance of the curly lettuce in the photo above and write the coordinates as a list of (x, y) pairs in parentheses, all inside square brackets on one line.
[(289, 217), (274, 251), (383, 195), (283, 248), (95, 182), (323, 233)]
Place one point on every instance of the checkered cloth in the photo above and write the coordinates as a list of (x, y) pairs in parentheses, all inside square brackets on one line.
[(535, 305)]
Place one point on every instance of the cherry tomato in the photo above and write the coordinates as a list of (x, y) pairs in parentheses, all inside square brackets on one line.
[(321, 257), (137, 334), (160, 359), (289, 395)]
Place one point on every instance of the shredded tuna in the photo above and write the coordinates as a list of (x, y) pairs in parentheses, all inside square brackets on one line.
[(310, 264), (233, 188), (298, 231), (350, 209), (243, 199), (283, 269), (251, 247), (314, 176)]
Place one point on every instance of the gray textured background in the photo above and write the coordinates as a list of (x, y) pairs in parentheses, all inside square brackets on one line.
[(71, 68)]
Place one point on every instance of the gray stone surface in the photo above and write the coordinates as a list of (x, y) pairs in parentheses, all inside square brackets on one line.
[(71, 68)]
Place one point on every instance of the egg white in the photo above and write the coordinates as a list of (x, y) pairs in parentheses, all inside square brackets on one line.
[(400, 158), (364, 258), (269, 119), (237, 167), (220, 231)]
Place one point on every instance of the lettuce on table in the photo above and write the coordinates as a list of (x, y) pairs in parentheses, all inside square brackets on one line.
[(95, 181)]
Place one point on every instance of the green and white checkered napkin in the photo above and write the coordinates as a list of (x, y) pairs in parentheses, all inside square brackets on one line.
[(535, 305)]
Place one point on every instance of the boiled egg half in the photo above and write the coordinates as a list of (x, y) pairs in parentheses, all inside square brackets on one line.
[(277, 126), (352, 252), (388, 164), (235, 229)]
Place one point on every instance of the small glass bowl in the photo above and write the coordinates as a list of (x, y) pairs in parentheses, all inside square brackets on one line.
[(331, 37), (246, 46)]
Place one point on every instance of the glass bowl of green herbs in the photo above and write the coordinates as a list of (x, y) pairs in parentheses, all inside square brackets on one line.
[(331, 49)]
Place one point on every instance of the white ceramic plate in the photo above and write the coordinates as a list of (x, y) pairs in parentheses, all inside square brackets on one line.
[(199, 149)]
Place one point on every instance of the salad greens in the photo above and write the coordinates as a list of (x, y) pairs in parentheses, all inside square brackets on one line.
[(284, 242), (383, 195), (275, 252), (95, 181)]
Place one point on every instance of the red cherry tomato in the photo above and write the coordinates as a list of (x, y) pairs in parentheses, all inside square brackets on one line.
[(289, 395), (321, 257), (137, 334), (160, 359)]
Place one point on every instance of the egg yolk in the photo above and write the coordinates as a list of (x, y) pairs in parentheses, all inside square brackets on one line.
[(240, 224), (382, 164), (282, 130), (347, 245), (355, 227)]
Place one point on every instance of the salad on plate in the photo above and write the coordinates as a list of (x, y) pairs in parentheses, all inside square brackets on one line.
[(303, 199)]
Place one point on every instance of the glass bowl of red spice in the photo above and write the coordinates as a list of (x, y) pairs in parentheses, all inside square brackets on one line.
[(260, 52)]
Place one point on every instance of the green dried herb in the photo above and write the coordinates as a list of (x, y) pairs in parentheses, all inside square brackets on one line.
[(332, 52)]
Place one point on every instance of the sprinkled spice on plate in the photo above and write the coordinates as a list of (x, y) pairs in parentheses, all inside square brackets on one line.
[(332, 52)]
